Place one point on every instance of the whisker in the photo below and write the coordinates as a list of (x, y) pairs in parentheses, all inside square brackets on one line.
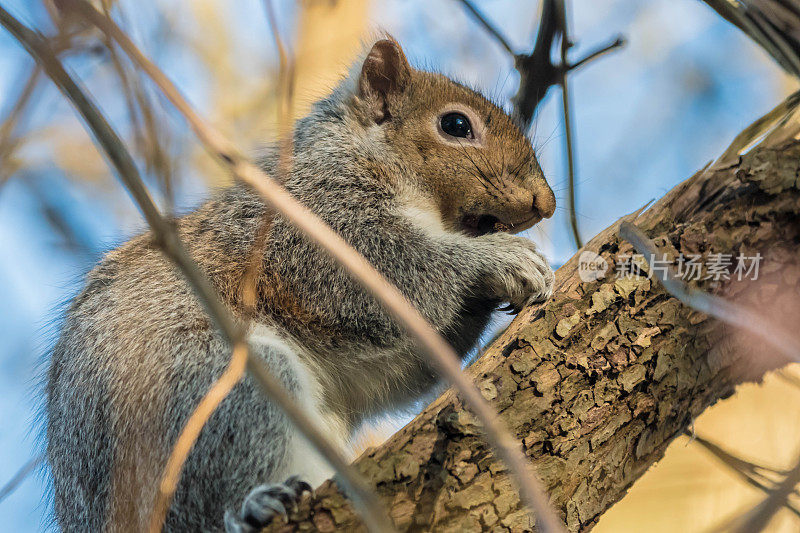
[(477, 167)]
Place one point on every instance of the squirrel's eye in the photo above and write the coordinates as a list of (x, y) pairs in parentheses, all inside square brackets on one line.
[(457, 125)]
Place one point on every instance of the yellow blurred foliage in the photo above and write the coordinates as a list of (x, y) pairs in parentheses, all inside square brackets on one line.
[(245, 106), (330, 39), (690, 490)]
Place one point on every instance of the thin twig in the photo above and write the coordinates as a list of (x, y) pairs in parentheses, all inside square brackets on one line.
[(602, 50), (285, 96), (20, 476), (432, 344), (285, 157), (10, 123), (538, 73), (191, 431), (711, 305), (488, 26), (757, 519), (747, 471), (167, 239), (570, 142), (147, 135)]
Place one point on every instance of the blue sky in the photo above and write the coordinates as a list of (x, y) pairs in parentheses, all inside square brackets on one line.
[(646, 117)]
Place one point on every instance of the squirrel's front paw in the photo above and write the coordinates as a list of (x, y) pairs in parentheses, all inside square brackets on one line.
[(520, 274), (263, 503)]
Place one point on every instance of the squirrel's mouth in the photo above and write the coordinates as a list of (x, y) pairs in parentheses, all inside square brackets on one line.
[(477, 225)]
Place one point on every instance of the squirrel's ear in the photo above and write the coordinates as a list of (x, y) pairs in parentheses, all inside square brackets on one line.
[(385, 74)]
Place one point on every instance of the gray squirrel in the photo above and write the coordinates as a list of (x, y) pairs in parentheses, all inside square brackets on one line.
[(425, 177)]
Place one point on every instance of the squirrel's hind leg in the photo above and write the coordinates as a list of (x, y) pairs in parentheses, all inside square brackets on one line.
[(247, 442), (302, 466)]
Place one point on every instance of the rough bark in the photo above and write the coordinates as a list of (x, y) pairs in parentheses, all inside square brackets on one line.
[(597, 382)]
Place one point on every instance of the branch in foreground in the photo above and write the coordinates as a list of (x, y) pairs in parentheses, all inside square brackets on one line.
[(7, 128), (167, 239), (719, 308), (599, 381), (772, 24), (489, 27), (433, 345)]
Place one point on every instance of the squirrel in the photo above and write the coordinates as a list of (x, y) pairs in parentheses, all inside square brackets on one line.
[(425, 177)]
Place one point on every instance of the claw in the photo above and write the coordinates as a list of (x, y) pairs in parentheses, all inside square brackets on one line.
[(234, 525), (285, 493), (261, 509), (264, 502), (299, 486)]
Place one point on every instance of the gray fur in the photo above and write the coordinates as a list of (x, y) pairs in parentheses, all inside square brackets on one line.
[(137, 352)]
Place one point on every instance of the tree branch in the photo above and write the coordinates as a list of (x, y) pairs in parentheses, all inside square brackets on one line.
[(755, 324), (20, 476), (772, 24), (489, 27), (566, 44)]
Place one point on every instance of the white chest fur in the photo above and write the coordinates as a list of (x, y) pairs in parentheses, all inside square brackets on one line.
[(302, 459)]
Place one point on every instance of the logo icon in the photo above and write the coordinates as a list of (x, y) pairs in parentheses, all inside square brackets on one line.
[(591, 266)]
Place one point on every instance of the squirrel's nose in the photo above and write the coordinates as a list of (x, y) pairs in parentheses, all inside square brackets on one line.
[(544, 201)]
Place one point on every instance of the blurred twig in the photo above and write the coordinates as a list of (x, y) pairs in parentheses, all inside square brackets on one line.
[(777, 118), (20, 476), (166, 237), (750, 473), (150, 140), (711, 305), (286, 89), (433, 345), (8, 141), (218, 391), (772, 24), (66, 42), (487, 26), (285, 154), (758, 518)]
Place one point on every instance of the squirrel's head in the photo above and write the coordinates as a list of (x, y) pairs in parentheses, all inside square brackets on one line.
[(465, 153)]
